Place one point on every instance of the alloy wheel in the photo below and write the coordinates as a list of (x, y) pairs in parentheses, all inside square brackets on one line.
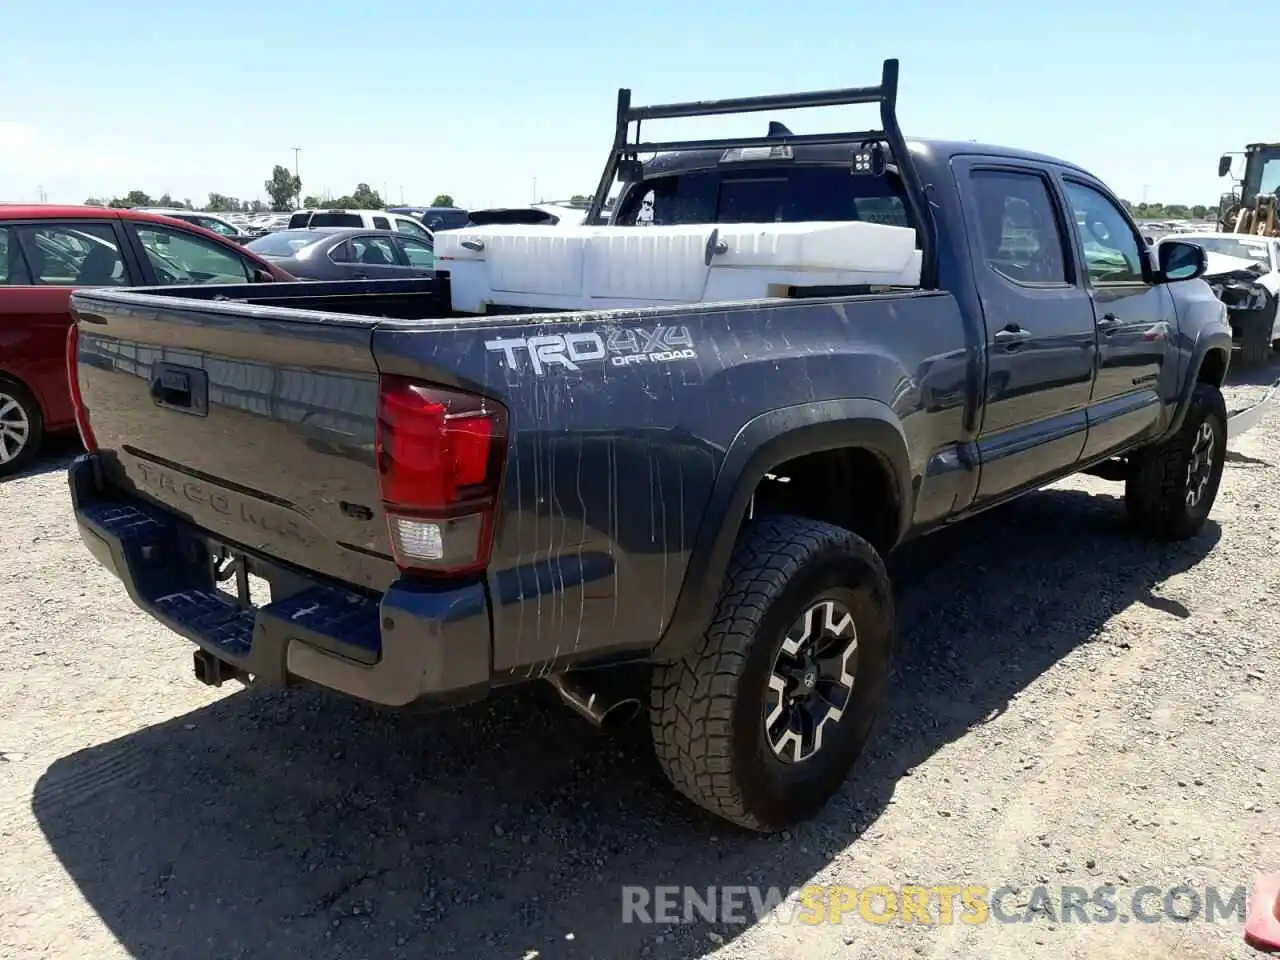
[(1200, 466), (15, 428), (812, 680)]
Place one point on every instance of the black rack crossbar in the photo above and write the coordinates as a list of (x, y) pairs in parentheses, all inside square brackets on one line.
[(777, 101), (885, 94), (728, 143)]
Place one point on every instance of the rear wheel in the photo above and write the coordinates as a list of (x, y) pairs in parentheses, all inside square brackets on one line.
[(1172, 486), (21, 427), (762, 721)]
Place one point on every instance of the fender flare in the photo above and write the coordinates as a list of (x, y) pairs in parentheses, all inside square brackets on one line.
[(763, 443), (1206, 341)]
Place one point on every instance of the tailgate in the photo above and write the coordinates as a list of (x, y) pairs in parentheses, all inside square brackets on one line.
[(253, 423)]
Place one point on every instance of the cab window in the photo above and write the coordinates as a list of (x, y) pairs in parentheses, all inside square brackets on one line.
[(1111, 251)]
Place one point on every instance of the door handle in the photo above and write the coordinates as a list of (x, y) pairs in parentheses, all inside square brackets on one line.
[(1012, 334), (1108, 322)]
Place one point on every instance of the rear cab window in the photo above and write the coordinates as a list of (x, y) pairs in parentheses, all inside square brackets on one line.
[(335, 219), (795, 193)]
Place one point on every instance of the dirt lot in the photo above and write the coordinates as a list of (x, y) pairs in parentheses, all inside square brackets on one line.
[(1071, 706)]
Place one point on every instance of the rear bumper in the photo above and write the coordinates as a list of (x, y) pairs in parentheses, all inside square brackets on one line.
[(418, 644)]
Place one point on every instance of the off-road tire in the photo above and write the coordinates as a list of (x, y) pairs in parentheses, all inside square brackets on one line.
[(1255, 343), (1155, 492), (706, 711), (12, 391)]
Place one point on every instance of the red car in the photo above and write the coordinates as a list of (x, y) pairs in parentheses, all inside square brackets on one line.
[(46, 252)]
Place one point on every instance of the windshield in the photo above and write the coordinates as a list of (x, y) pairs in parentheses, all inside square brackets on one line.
[(1270, 182), (792, 194), (284, 244), (1233, 247)]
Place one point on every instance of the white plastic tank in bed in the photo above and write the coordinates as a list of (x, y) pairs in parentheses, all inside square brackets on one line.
[(583, 268)]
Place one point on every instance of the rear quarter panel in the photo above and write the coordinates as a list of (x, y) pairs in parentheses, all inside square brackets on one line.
[(616, 447)]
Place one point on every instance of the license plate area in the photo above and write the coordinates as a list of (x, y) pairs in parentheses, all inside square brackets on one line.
[(234, 575)]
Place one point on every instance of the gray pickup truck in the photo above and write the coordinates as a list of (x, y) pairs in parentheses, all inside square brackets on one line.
[(696, 495)]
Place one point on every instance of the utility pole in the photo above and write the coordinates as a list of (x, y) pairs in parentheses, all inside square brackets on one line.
[(402, 196), (297, 176), (535, 189)]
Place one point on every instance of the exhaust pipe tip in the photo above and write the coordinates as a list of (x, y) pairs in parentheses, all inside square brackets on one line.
[(620, 714), (597, 705)]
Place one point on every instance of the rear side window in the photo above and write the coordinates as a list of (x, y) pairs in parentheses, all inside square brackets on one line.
[(299, 220), (374, 251), (336, 220), (791, 194), (381, 223), (1020, 232), (73, 255)]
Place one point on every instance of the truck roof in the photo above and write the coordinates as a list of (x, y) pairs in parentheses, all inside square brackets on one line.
[(939, 151)]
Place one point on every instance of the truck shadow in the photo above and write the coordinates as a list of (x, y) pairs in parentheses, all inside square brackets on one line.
[(271, 825)]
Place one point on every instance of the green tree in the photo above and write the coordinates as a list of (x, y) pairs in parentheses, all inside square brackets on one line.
[(94, 202), (283, 188), (134, 198), (165, 200), (310, 203), (366, 198), (580, 198), (443, 200), (221, 203)]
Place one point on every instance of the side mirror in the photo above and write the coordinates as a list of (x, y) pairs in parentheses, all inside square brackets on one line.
[(1224, 165), (1181, 260), (262, 276)]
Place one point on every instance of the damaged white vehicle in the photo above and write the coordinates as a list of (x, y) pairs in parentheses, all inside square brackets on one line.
[(1244, 273)]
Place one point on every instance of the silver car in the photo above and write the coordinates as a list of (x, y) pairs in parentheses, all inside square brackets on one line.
[(344, 253)]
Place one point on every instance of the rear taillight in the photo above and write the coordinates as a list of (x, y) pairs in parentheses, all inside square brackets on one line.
[(73, 382), (440, 456)]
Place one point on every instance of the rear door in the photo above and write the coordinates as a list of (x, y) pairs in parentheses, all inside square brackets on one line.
[(40, 262), (1134, 317), (1039, 320)]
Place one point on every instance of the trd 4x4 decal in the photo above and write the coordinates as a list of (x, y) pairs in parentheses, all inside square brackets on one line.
[(620, 347)]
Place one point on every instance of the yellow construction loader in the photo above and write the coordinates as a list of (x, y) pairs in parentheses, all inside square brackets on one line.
[(1252, 208)]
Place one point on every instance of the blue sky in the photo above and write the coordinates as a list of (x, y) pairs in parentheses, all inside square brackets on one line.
[(479, 98)]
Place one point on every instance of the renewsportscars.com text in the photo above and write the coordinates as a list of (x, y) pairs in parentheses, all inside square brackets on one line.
[(937, 904)]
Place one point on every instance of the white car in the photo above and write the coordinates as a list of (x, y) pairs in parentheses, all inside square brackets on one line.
[(1244, 273), (364, 219)]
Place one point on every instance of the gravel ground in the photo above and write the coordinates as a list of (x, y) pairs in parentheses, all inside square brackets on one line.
[(1071, 706)]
